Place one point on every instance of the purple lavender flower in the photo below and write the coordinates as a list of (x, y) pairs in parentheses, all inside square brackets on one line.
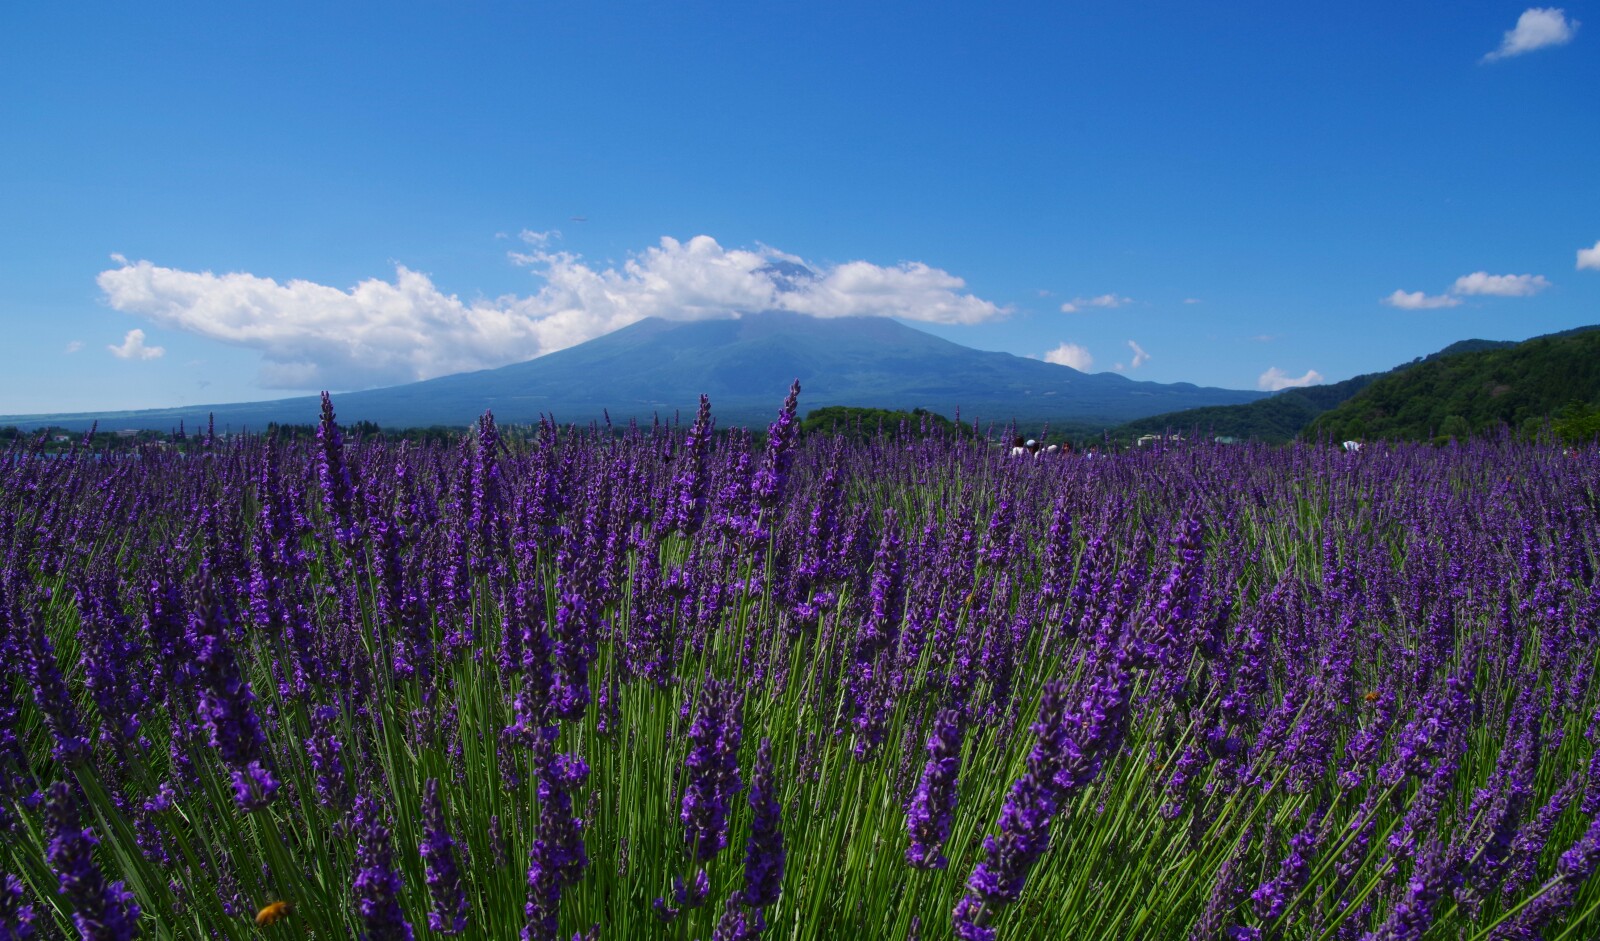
[(327, 759), (929, 815), (1273, 896), (763, 854), (774, 473), (101, 911), (738, 923), (15, 776), (441, 867), (110, 658), (1555, 896), (572, 650), (1528, 845), (497, 842), (378, 883), (692, 894), (1431, 881), (688, 508), (1165, 627), (1057, 581), (225, 709), (338, 492), (1226, 892), (486, 516), (16, 912), (557, 858), (713, 766), (1024, 834), (1067, 755), (887, 594), (51, 694)]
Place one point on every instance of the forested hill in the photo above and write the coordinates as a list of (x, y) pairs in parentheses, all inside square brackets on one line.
[(1275, 419), (1287, 415), (1471, 392)]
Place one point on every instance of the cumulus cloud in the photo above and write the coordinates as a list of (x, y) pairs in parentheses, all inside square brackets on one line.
[(1589, 258), (1537, 28), (1477, 284), (1071, 354), (74, 346), (381, 332), (1275, 379), (1103, 300), (1416, 300), (1139, 355), (1500, 285), (133, 347)]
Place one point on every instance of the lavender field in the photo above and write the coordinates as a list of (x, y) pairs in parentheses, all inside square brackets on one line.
[(659, 683)]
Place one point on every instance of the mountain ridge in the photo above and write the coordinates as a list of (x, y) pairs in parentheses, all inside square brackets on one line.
[(659, 366), (1290, 413)]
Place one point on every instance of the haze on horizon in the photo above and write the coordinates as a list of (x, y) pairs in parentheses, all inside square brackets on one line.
[(226, 205)]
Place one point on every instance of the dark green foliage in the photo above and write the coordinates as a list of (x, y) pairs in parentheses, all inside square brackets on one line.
[(1275, 420), (866, 422), (1473, 392), (1450, 393), (1577, 423)]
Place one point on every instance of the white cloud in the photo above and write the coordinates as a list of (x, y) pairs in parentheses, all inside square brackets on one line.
[(1589, 258), (380, 332), (133, 347), (1275, 379), (1192, 300), (1536, 28), (1500, 285), (1103, 300), (1139, 355), (1416, 300), (74, 346), (1070, 354)]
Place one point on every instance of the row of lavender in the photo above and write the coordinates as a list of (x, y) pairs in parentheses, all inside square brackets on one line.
[(660, 683)]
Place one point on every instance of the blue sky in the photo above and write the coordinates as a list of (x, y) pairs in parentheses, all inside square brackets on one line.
[(342, 195)]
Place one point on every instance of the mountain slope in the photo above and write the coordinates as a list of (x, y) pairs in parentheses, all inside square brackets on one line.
[(1285, 415), (745, 365), (1276, 419), (1473, 392)]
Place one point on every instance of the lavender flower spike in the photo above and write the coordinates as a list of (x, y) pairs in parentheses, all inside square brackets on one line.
[(928, 817), (448, 915), (713, 765), (16, 913), (770, 479), (227, 711), (1555, 896), (557, 858), (378, 883), (102, 911), (763, 855)]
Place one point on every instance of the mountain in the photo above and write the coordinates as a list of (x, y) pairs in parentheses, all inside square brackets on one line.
[(745, 365), (1342, 409), (1278, 418), (1471, 392)]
